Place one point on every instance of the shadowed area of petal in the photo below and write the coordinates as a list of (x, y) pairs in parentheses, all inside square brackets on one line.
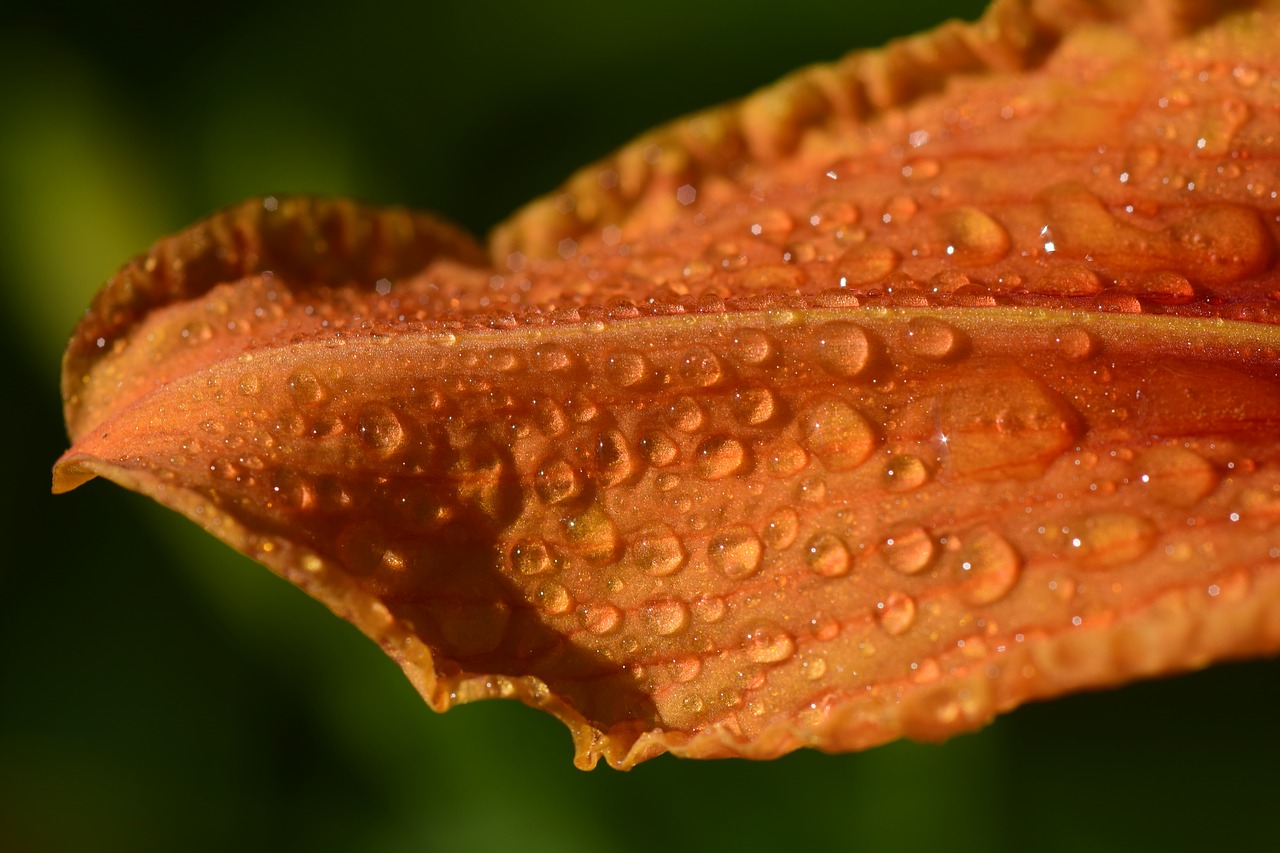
[(914, 388)]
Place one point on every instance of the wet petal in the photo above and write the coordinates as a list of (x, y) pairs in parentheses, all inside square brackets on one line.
[(901, 393)]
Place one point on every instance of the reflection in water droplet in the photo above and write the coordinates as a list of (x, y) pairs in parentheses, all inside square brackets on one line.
[(658, 551), (910, 551), (735, 553), (720, 456), (904, 473), (843, 348), (989, 566), (766, 642), (896, 613), (836, 433), (827, 555), (667, 617)]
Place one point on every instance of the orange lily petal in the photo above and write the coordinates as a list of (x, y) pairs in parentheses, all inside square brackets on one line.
[(903, 392)]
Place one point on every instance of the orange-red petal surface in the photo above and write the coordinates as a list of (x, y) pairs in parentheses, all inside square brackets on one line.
[(910, 389)]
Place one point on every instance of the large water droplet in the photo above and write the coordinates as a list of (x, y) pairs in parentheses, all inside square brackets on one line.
[(735, 553), (989, 566), (1109, 539), (601, 618), (306, 388), (753, 406), (843, 348), (592, 533), (613, 457), (531, 558), (626, 367), (752, 346), (658, 551), (686, 415), (553, 598), (910, 551), (658, 449), (667, 616), (865, 263), (780, 528), (935, 340), (1176, 476), (381, 429), (765, 642), (972, 237), (720, 456), (700, 367), (827, 555), (557, 481), (904, 473), (836, 433), (896, 613)]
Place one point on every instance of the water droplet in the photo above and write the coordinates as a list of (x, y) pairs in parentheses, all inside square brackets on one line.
[(381, 429), (686, 668), (1176, 476), (989, 566), (720, 456), (910, 551), (903, 473), (685, 415), (626, 368), (531, 558), (864, 263), (658, 449), (1066, 279), (613, 457), (1166, 287), (250, 384), (753, 406), (592, 533), (553, 598), (667, 616), (709, 608), (813, 667), (785, 459), (935, 340), (765, 642), (1076, 342), (601, 618), (735, 553), (972, 237), (896, 613), (306, 388), (828, 556), (1109, 539), (843, 348), (752, 346), (553, 358), (658, 551), (700, 367), (557, 481), (781, 528), (840, 437)]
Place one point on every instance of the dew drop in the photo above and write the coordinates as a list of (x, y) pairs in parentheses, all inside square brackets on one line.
[(557, 481), (720, 456), (896, 613), (827, 555), (601, 618), (989, 566), (306, 388), (613, 457), (1109, 539), (865, 263), (531, 558), (700, 367), (626, 368), (753, 406), (685, 415), (785, 459), (735, 553), (910, 551), (553, 598), (1076, 342), (1176, 476), (752, 346), (380, 428), (765, 642), (709, 608), (972, 237), (658, 551), (935, 340), (250, 384), (686, 668), (781, 528), (592, 533), (834, 431), (904, 473), (1066, 280), (658, 449), (843, 348), (667, 616), (813, 667)]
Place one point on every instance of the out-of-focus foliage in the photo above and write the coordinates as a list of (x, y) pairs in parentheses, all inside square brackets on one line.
[(159, 692)]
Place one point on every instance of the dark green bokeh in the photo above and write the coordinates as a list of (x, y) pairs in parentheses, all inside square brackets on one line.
[(158, 692)]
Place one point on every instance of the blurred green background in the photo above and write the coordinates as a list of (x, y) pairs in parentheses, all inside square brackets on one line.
[(158, 692)]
